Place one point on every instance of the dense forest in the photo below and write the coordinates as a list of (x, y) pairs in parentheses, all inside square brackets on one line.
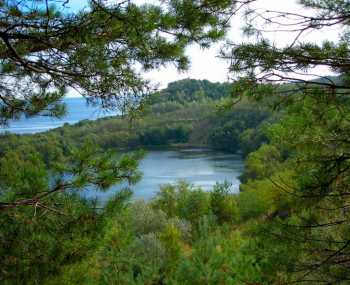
[(290, 221)]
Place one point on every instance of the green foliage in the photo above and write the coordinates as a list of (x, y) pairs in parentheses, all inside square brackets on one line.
[(309, 146), (183, 201), (190, 90), (262, 163), (129, 243), (145, 220), (137, 247), (217, 260), (94, 50), (223, 205), (163, 137), (55, 225), (251, 139), (48, 233), (290, 222), (229, 126), (167, 123), (36, 242)]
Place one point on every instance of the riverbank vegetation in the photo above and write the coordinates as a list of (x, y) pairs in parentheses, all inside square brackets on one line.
[(289, 223)]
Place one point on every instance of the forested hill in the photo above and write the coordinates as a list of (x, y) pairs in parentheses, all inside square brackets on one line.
[(173, 117), (177, 115), (188, 90)]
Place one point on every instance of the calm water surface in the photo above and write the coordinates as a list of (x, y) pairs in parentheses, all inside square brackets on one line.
[(77, 110), (197, 166), (200, 167)]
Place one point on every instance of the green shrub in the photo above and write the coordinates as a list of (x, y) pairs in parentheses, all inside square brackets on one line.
[(223, 204)]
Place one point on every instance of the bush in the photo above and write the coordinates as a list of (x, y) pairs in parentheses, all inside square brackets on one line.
[(145, 219), (182, 200), (223, 204)]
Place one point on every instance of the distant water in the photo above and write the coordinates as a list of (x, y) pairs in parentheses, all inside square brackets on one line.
[(77, 110), (200, 167)]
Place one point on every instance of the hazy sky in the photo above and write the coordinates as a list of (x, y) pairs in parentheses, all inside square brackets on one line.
[(206, 65)]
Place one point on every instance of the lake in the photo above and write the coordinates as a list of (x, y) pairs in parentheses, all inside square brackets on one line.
[(77, 110), (200, 167)]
